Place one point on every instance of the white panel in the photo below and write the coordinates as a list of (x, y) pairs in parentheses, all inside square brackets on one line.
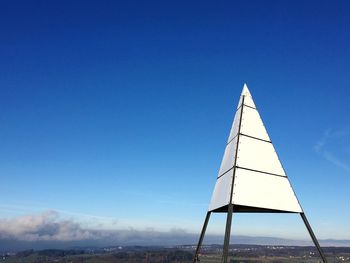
[(235, 125), (264, 191), (222, 190), (252, 124), (258, 155), (229, 157), (240, 102), (248, 100)]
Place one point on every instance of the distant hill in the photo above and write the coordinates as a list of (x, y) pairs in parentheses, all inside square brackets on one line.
[(159, 238), (183, 254)]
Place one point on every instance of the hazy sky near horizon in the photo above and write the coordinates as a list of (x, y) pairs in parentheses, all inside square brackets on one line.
[(116, 113)]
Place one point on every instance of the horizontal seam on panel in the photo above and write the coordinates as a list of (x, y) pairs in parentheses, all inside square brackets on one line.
[(249, 106), (255, 138), (232, 139), (248, 169), (225, 172)]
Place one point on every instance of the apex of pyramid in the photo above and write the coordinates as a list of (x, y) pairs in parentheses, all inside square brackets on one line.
[(245, 90), (248, 97)]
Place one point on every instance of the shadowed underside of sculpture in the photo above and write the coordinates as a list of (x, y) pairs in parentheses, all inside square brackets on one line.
[(251, 178)]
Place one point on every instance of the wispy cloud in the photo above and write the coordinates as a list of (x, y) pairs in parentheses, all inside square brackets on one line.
[(321, 147), (29, 208), (164, 199)]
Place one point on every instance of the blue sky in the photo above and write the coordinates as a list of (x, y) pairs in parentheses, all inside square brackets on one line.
[(118, 113)]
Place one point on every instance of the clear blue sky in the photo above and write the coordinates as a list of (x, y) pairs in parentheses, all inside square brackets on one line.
[(121, 109)]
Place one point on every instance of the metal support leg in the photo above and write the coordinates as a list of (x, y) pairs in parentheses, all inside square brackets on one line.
[(314, 239), (195, 259), (227, 233)]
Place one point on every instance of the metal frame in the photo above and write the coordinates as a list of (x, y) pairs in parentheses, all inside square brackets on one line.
[(313, 237), (230, 205), (228, 232), (230, 208), (195, 259)]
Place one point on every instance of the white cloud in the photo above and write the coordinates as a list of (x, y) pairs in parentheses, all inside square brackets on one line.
[(328, 137), (50, 230), (51, 226), (46, 226)]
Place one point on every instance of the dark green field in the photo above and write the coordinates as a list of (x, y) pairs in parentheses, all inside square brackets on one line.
[(183, 254)]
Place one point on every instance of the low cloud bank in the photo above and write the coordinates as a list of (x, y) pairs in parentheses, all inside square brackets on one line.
[(49, 230), (47, 226)]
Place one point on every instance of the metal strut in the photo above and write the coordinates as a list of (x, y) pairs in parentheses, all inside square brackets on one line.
[(314, 239), (230, 205), (227, 233), (196, 259)]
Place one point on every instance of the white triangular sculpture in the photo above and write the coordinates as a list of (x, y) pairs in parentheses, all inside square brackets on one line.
[(259, 180), (251, 177)]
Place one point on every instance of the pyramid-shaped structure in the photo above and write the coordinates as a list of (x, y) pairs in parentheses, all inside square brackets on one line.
[(251, 176)]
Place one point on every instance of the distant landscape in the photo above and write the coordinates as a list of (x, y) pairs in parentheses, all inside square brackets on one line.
[(184, 254), (154, 239)]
